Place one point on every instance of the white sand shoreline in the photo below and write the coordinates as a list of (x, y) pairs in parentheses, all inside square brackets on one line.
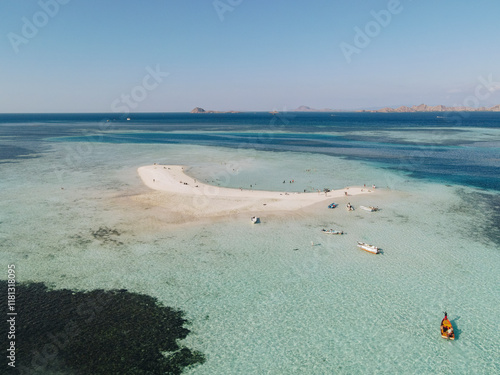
[(184, 194)]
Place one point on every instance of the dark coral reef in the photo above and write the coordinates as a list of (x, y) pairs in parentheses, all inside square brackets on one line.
[(96, 332)]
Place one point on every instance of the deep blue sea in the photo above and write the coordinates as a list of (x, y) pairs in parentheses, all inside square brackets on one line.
[(455, 148)]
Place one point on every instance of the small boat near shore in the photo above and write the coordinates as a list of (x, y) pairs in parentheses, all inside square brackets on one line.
[(349, 207), (331, 231), (369, 248), (255, 219), (447, 328), (369, 208), (332, 205)]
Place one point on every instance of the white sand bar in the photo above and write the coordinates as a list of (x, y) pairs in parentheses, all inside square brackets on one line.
[(184, 194)]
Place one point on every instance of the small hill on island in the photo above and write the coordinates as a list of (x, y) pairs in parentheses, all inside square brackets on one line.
[(305, 108), (435, 108), (201, 110), (198, 110)]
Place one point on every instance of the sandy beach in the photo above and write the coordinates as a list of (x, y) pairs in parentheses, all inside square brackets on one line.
[(184, 195)]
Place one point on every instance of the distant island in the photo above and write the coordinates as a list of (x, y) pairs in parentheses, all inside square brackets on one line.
[(405, 109), (401, 109), (435, 108), (201, 110), (305, 108)]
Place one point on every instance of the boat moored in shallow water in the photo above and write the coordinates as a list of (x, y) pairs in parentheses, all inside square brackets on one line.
[(369, 248), (369, 208), (331, 231), (447, 328), (255, 219)]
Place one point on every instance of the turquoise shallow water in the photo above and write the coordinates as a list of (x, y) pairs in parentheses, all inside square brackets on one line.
[(260, 298)]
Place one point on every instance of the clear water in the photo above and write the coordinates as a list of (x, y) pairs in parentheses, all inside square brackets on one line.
[(260, 298)]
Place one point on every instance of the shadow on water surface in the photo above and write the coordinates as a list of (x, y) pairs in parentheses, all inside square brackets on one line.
[(455, 327)]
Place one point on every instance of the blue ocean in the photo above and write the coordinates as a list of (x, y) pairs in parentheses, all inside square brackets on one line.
[(279, 297), (461, 147)]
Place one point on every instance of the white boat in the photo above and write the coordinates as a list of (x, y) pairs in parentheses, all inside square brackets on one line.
[(370, 248), (255, 219), (369, 208), (331, 231), (349, 207)]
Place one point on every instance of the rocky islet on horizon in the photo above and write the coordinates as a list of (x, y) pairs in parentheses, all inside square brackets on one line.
[(401, 109), (201, 110), (406, 109), (435, 108)]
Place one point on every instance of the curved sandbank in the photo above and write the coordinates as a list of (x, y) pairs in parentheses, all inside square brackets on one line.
[(184, 194)]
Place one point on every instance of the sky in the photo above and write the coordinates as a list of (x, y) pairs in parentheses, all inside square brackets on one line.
[(247, 55)]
